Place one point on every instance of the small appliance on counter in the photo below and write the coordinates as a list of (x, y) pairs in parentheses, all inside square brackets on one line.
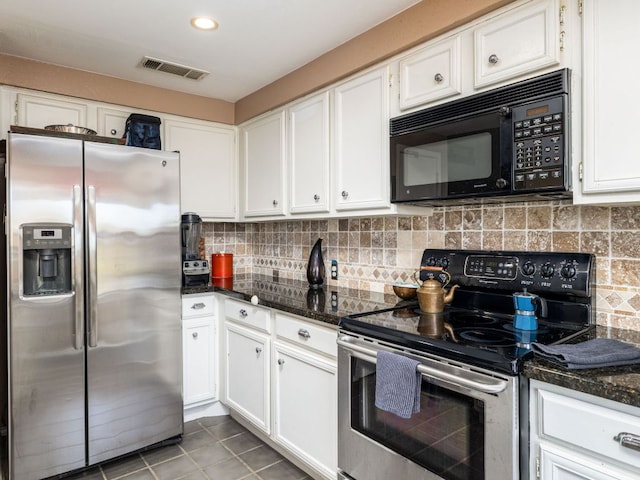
[(195, 271)]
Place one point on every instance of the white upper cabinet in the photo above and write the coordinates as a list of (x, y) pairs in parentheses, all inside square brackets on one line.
[(38, 111), (517, 42), (264, 156), (611, 162), (309, 153), (112, 122), (431, 73), (208, 160), (361, 142)]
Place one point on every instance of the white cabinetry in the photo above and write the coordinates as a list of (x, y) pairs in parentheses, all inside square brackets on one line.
[(309, 153), (39, 110), (305, 392), (208, 175), (431, 73), (521, 41), (361, 142), (200, 353), (113, 121), (263, 147), (248, 350), (611, 162), (574, 436)]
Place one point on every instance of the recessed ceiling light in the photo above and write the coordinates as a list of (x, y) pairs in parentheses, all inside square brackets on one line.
[(204, 23)]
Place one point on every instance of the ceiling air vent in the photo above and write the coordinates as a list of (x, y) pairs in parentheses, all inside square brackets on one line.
[(173, 68)]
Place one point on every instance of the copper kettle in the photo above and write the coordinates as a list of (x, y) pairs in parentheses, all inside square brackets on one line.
[(432, 296)]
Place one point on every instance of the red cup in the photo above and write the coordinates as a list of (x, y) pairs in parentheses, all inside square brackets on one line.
[(221, 265), (226, 283)]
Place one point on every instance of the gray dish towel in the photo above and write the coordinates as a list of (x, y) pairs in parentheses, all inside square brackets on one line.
[(600, 352), (398, 384)]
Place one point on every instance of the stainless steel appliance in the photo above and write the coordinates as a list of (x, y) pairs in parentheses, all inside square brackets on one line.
[(509, 143), (195, 271), (94, 333), (473, 419)]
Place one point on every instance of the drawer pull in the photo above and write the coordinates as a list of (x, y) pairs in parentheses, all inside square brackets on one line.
[(243, 312), (438, 78), (304, 333), (281, 361), (198, 306), (258, 350), (493, 59), (195, 334), (628, 440)]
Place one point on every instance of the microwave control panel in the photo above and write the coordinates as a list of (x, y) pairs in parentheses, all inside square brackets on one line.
[(539, 145)]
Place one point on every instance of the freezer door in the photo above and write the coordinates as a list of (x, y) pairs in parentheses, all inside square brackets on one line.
[(46, 347), (134, 352)]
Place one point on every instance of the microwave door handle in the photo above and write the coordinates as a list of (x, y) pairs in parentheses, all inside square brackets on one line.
[(492, 387), (93, 262), (78, 269)]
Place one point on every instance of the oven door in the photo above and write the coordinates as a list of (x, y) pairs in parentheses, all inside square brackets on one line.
[(461, 158), (467, 427)]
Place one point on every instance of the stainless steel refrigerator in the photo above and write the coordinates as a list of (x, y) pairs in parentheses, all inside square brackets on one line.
[(94, 333)]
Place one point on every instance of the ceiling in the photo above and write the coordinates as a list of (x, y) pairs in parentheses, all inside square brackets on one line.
[(257, 41)]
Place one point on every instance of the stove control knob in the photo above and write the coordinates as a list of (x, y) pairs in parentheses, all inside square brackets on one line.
[(547, 270), (568, 271), (444, 263), (431, 262), (528, 268)]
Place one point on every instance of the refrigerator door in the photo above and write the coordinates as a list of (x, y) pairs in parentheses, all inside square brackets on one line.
[(134, 352), (46, 346)]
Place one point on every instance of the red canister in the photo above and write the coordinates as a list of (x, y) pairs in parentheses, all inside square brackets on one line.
[(221, 265)]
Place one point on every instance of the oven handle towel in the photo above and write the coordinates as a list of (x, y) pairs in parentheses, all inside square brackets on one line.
[(398, 384), (596, 353), (464, 378)]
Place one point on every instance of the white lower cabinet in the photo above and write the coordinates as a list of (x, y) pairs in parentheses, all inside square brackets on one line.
[(575, 436), (280, 377)]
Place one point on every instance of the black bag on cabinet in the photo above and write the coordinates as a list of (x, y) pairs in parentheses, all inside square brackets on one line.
[(142, 131)]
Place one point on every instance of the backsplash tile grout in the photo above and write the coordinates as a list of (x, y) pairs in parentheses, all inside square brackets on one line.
[(373, 252)]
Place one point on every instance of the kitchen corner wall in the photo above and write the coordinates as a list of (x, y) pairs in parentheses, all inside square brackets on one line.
[(373, 252)]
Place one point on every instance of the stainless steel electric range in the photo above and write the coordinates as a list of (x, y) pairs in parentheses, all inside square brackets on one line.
[(473, 419)]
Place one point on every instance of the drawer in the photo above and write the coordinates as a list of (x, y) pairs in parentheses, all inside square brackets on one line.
[(307, 334), (198, 305), (587, 425), (248, 314)]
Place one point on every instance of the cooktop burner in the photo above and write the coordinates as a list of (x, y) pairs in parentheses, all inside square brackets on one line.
[(477, 328)]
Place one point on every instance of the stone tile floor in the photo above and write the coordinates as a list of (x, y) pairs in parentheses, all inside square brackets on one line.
[(212, 448)]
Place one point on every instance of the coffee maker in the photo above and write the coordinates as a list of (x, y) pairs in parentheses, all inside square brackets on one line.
[(195, 271)]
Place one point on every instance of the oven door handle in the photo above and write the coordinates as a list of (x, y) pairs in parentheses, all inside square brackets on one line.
[(493, 386)]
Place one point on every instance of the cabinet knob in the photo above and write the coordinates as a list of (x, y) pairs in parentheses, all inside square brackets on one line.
[(316, 197), (198, 306), (438, 78), (304, 333), (113, 131), (345, 194), (281, 361), (493, 59), (258, 350), (243, 312), (275, 203), (194, 334)]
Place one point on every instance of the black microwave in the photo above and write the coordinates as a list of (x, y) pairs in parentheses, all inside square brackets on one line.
[(509, 143)]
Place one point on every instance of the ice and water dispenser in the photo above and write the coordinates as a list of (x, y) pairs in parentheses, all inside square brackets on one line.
[(46, 252)]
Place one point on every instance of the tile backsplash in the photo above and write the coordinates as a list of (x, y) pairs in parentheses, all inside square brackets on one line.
[(373, 252)]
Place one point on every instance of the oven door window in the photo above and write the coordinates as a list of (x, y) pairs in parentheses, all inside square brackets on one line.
[(448, 160), (446, 437)]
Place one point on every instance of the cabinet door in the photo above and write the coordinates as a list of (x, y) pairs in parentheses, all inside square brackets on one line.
[(112, 122), (520, 41), (306, 406), (199, 360), (430, 74), (247, 373), (263, 144), (309, 155), (561, 464), (207, 167), (361, 155), (611, 165), (38, 111)]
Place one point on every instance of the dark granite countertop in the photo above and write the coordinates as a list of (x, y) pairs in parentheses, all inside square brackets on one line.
[(621, 384), (329, 303), (326, 304)]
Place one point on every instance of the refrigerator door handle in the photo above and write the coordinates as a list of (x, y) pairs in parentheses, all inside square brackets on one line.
[(93, 262), (78, 269)]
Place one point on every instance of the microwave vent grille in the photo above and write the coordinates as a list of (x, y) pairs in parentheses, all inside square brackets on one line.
[(518, 93)]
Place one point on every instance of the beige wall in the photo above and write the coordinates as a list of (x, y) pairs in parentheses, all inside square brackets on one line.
[(419, 23)]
